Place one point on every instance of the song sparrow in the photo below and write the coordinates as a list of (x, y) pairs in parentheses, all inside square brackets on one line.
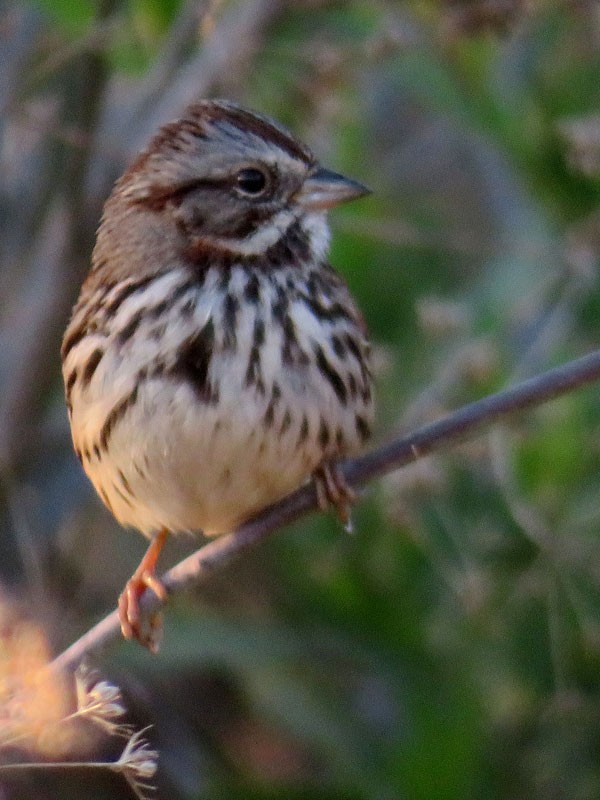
[(214, 360)]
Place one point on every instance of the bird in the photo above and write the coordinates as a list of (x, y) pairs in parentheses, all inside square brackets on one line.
[(215, 361)]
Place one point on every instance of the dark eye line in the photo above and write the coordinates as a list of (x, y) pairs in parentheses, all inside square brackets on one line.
[(199, 183), (229, 182), (160, 197)]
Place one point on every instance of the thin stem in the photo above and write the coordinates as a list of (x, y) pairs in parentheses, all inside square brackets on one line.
[(114, 766), (397, 453)]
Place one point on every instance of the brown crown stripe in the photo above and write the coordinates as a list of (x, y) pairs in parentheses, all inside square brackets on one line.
[(250, 123), (197, 122)]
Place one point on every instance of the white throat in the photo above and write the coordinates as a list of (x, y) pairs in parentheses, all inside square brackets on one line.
[(314, 225)]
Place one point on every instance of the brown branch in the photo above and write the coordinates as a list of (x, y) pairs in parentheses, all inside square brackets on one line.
[(465, 421)]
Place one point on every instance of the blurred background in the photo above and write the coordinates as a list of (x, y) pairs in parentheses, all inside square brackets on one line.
[(450, 647)]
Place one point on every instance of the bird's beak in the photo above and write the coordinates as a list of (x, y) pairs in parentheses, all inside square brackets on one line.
[(325, 189)]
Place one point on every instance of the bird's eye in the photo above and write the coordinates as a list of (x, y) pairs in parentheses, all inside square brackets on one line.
[(251, 181)]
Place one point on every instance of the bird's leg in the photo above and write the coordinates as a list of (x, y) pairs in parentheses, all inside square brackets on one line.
[(130, 616), (333, 490)]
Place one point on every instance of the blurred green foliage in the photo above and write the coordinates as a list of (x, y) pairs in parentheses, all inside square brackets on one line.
[(449, 648)]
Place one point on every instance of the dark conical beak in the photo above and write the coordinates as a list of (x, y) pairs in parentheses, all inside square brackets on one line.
[(325, 189)]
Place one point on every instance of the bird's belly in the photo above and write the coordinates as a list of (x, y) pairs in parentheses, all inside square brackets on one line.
[(175, 463)]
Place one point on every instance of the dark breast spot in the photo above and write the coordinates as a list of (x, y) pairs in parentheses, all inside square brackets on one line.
[(352, 385), (252, 289), (332, 376), (291, 352), (324, 435), (130, 328), (90, 366), (329, 313), (70, 383), (285, 422), (114, 415), (188, 308), (122, 495), (73, 338), (193, 363), (231, 307), (259, 332), (269, 415), (159, 309), (280, 306), (254, 371), (353, 347), (270, 412), (126, 291), (158, 332), (125, 483), (338, 346), (362, 428), (303, 435)]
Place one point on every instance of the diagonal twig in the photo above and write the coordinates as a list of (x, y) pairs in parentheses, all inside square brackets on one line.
[(198, 567)]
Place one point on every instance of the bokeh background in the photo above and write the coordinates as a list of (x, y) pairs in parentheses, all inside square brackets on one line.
[(450, 647)]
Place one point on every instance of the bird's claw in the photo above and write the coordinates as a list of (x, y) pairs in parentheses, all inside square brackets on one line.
[(333, 490)]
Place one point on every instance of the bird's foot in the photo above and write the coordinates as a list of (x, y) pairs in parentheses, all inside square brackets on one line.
[(146, 629), (333, 490)]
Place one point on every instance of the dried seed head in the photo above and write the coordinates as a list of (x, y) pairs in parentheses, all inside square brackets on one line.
[(138, 764), (100, 702)]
